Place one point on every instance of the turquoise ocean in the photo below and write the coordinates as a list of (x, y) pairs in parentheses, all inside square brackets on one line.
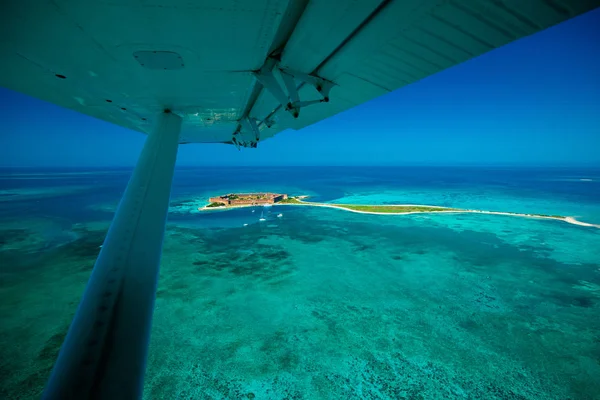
[(323, 303)]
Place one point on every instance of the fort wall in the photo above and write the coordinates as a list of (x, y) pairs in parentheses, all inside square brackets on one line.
[(239, 199)]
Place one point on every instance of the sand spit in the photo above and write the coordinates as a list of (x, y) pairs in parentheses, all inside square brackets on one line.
[(570, 220)]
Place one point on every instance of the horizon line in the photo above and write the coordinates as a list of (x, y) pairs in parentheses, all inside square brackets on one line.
[(441, 165)]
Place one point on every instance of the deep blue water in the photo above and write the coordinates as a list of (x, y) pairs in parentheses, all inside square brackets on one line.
[(567, 189)]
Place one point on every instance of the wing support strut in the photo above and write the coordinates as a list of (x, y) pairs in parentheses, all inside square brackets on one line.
[(268, 80), (105, 350), (291, 101), (323, 86), (287, 95), (250, 125)]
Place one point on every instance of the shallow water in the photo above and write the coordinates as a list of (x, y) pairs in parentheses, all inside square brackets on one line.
[(323, 303)]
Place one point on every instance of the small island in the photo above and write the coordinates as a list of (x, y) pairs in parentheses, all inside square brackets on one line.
[(234, 200), (246, 199)]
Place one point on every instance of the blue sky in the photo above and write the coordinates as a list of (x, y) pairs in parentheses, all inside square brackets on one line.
[(535, 101)]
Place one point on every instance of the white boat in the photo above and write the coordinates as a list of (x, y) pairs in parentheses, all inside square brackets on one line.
[(279, 215), (245, 224), (262, 218)]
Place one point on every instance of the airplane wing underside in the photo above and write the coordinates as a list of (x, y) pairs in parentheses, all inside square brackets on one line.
[(239, 71)]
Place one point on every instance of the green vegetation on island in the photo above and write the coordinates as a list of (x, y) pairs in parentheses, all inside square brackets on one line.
[(291, 200), (391, 209), (211, 205), (394, 209), (548, 216)]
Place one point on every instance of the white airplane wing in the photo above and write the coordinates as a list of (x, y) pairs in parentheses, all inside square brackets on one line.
[(230, 68)]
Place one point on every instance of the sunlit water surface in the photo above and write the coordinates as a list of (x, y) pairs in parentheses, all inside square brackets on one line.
[(323, 303)]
